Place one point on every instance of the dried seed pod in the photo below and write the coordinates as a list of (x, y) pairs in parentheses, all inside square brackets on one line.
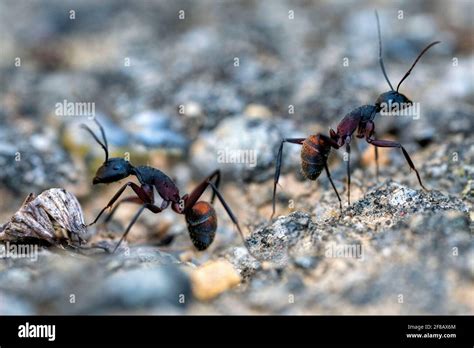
[(55, 216)]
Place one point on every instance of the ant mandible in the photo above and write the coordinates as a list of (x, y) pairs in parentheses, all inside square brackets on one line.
[(316, 148), (200, 216)]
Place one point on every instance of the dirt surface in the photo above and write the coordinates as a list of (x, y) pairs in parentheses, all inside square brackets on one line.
[(220, 88)]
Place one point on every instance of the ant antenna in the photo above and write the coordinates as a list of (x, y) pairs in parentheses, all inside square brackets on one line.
[(103, 137), (416, 61), (104, 144), (380, 51)]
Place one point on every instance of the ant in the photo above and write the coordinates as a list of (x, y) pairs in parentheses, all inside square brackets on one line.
[(200, 216), (316, 148)]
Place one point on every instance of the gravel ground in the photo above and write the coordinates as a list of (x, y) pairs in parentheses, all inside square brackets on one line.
[(185, 94)]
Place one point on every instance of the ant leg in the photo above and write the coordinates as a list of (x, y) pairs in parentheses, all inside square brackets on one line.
[(388, 143), (131, 199), (232, 217), (298, 141), (370, 134), (376, 163), (149, 206), (333, 186), (141, 193), (199, 190), (227, 209), (348, 150), (135, 218), (216, 174)]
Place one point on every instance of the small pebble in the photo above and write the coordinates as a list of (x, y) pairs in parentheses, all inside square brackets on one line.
[(213, 278)]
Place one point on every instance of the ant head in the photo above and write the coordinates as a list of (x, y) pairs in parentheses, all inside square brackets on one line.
[(113, 169), (393, 99)]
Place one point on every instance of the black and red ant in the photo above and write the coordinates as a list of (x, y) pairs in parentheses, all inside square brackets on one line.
[(316, 148), (200, 216)]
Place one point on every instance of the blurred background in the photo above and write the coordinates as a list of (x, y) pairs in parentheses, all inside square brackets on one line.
[(176, 82)]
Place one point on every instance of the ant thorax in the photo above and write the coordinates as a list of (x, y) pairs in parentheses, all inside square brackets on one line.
[(163, 184)]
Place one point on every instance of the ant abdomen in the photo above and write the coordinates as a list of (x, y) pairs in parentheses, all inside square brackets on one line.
[(202, 224), (314, 154)]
